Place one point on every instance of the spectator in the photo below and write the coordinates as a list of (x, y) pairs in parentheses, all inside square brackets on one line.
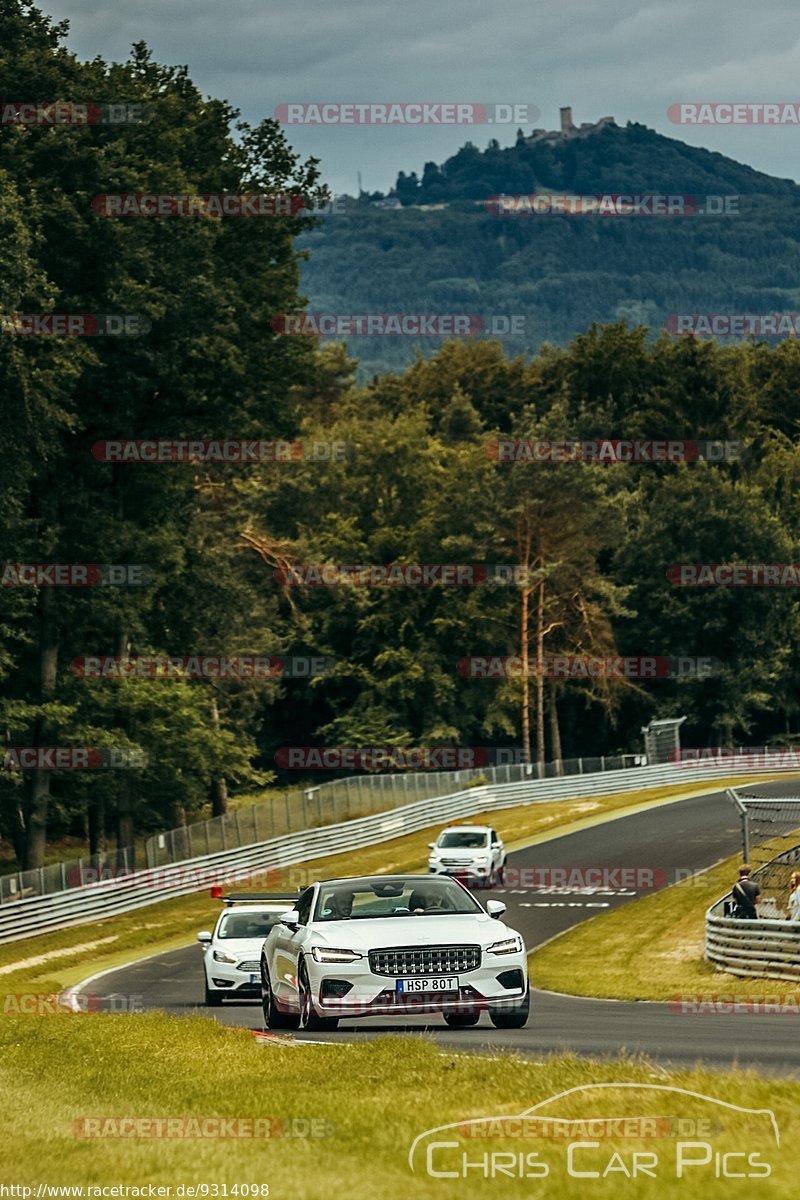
[(793, 908), (745, 895)]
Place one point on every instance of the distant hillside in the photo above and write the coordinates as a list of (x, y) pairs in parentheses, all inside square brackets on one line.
[(560, 272), (614, 159)]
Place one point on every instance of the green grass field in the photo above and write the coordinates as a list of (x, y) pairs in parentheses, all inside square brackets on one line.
[(366, 1104)]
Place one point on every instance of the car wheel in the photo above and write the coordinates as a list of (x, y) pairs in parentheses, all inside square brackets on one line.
[(460, 1020), (309, 1017), (213, 999), (508, 1016), (273, 1017)]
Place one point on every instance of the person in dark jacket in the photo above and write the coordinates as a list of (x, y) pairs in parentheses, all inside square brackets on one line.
[(745, 893)]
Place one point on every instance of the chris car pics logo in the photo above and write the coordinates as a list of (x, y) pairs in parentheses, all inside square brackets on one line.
[(646, 1131)]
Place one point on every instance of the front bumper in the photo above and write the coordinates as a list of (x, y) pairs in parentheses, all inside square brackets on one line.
[(370, 994), (227, 978), (469, 871)]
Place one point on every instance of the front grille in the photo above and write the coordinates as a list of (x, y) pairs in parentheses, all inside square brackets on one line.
[(424, 960), (457, 862), (252, 967)]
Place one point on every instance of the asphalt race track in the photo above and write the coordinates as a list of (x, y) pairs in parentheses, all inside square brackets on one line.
[(672, 840)]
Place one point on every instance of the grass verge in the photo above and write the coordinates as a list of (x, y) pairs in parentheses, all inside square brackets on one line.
[(58, 1072), (648, 949), (55, 960)]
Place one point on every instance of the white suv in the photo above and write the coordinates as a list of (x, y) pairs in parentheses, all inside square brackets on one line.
[(232, 952), (474, 853)]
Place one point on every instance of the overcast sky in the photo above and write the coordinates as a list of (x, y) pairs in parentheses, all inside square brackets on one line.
[(622, 58)]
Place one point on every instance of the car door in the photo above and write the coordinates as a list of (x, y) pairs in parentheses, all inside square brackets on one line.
[(287, 948)]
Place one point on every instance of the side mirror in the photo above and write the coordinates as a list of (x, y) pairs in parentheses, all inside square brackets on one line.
[(291, 919), (204, 937), (431, 845), (495, 908)]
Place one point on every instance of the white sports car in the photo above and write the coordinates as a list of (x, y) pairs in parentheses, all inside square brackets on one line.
[(387, 945)]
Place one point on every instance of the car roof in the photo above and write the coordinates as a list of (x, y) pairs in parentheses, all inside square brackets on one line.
[(381, 878), (266, 906), (467, 828)]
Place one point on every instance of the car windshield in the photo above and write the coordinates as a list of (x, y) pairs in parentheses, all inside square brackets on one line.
[(360, 899), (247, 925), (463, 839)]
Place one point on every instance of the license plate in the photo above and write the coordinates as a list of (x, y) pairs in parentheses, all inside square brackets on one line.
[(436, 983)]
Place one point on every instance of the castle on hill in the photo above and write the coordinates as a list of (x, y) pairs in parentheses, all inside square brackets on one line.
[(567, 130)]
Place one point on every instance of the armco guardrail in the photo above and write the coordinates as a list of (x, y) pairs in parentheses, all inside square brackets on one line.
[(766, 946), (39, 914), (763, 947)]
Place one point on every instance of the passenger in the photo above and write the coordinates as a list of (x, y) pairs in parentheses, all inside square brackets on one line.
[(745, 895)]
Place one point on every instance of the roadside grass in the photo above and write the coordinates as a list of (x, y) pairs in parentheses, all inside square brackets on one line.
[(648, 949), (73, 954), (370, 1101)]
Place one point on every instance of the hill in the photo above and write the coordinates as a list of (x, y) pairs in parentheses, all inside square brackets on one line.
[(558, 271)]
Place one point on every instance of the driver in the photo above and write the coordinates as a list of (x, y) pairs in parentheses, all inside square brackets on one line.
[(422, 901), (339, 906)]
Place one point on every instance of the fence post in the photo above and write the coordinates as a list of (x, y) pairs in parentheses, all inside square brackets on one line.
[(63, 877), (580, 766), (602, 762)]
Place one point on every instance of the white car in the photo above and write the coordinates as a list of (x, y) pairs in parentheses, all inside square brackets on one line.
[(231, 953), (393, 945), (474, 853)]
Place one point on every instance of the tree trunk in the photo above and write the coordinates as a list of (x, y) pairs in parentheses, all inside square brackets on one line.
[(126, 834), (96, 816), (540, 751), (219, 785), (39, 795), (526, 687), (555, 732)]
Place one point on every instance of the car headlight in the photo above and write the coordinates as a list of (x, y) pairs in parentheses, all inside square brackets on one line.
[(507, 946), (221, 956), (330, 954)]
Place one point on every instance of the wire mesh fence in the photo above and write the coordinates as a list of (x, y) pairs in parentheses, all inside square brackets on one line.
[(346, 799), (290, 812), (61, 876)]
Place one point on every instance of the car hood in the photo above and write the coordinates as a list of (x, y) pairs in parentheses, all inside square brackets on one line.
[(369, 933), (240, 946)]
